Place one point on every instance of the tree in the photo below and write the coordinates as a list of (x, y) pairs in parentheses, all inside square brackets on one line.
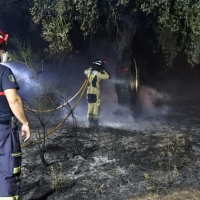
[(174, 23), (59, 17)]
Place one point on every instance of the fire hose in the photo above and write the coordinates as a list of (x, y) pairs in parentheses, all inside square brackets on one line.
[(60, 105), (83, 88)]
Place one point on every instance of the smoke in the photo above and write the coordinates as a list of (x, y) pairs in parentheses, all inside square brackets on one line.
[(68, 79), (26, 79), (152, 102)]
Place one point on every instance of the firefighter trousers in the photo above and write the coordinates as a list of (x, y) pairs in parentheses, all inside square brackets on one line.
[(10, 163), (94, 103)]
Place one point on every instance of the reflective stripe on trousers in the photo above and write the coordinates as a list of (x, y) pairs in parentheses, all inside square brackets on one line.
[(10, 163)]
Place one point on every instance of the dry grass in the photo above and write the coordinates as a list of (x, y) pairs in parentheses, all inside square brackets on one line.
[(178, 195)]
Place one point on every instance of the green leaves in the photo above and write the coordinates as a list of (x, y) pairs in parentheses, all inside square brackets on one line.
[(180, 21), (59, 17)]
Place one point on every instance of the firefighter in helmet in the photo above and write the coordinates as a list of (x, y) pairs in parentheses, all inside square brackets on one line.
[(3, 42), (95, 74)]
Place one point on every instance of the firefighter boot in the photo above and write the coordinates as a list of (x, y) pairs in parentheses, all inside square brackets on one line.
[(90, 123), (96, 123)]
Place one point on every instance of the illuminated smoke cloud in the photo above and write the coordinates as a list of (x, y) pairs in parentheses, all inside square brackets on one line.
[(111, 114), (25, 77), (153, 103)]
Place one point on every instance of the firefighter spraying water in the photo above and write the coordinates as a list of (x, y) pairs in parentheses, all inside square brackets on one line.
[(95, 74)]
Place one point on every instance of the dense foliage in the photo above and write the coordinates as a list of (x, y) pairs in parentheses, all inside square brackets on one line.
[(178, 27), (178, 22), (59, 17)]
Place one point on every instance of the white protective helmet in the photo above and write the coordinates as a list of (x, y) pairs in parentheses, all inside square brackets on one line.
[(97, 62)]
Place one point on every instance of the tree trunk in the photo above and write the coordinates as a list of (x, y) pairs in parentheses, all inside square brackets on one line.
[(126, 73)]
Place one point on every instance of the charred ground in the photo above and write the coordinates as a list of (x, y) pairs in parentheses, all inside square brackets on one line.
[(154, 155)]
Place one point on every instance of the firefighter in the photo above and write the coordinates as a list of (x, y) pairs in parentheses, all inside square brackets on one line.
[(3, 42), (95, 74), (11, 109)]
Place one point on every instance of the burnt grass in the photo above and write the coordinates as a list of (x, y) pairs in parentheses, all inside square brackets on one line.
[(111, 163), (159, 157)]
